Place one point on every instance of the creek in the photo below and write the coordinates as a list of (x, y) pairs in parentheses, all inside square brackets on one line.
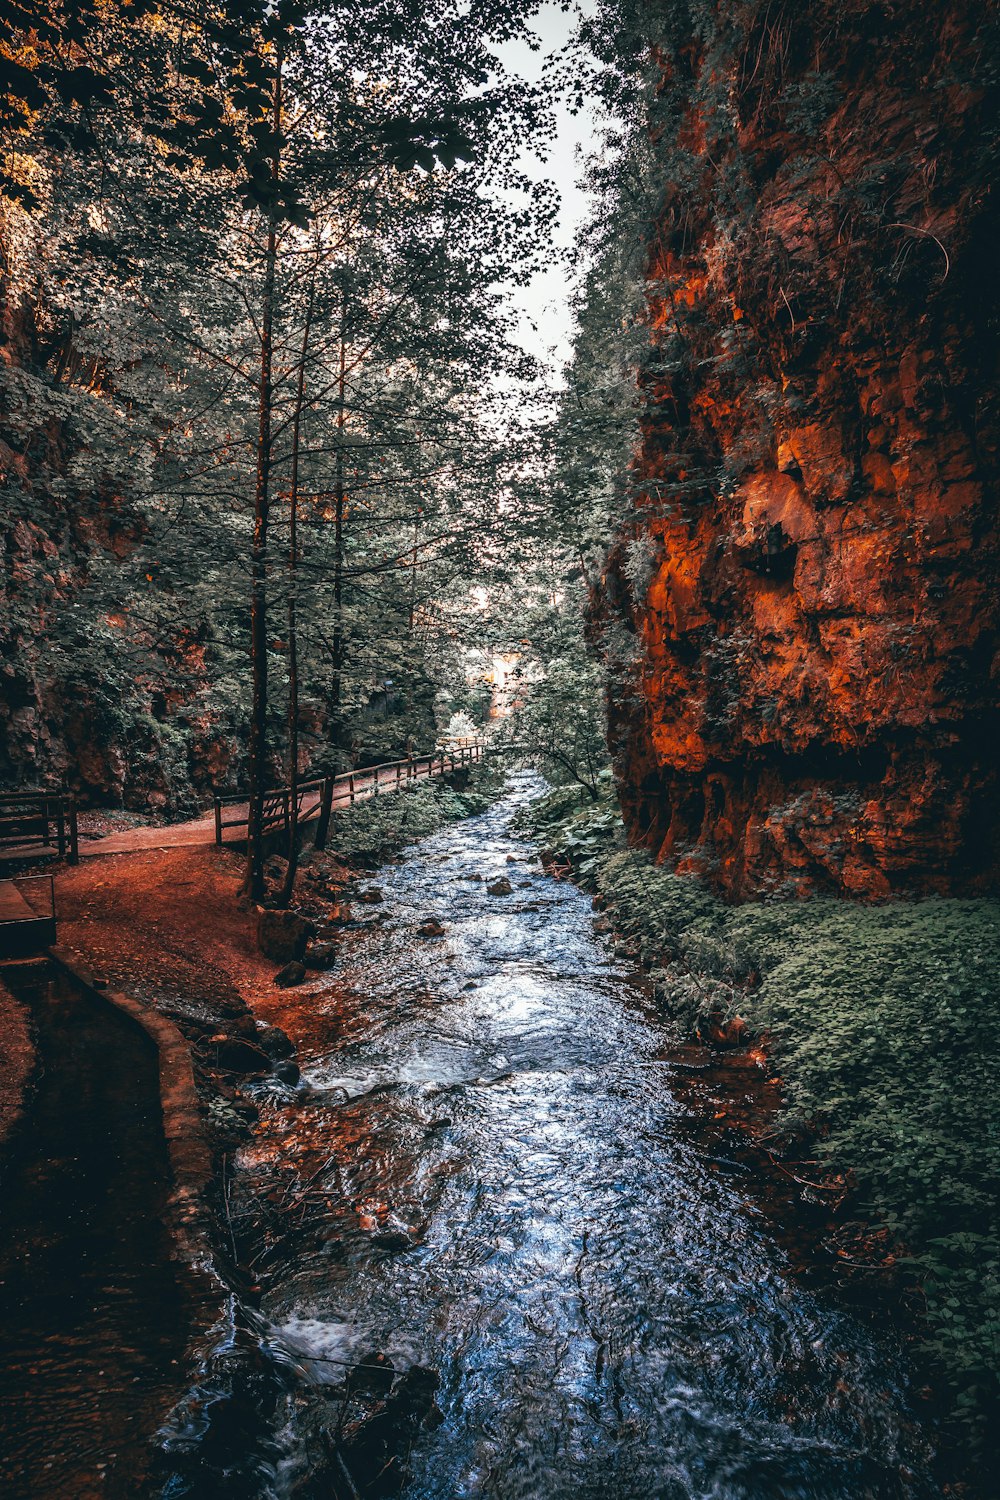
[(501, 1191)]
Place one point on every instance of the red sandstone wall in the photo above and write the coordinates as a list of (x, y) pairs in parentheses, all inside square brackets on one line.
[(813, 702)]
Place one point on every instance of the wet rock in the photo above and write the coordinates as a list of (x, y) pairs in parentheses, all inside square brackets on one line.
[(292, 974), (432, 928), (274, 1042), (234, 1055), (392, 1240), (336, 916), (415, 1395), (372, 896), (282, 935), (321, 956), (477, 878), (501, 887), (373, 1374), (287, 1072)]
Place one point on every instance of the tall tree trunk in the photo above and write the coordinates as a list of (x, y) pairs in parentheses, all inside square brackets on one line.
[(339, 500), (254, 879), (293, 643), (413, 564)]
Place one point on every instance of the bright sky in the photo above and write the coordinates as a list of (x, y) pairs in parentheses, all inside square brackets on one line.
[(543, 306)]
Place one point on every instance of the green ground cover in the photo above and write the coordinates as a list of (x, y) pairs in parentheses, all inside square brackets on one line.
[(884, 1022), (370, 829)]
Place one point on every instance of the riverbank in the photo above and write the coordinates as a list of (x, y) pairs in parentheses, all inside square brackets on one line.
[(168, 930), (881, 1024)]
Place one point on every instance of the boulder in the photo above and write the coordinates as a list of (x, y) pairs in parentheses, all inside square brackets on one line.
[(287, 1072), (501, 887), (432, 928), (282, 935), (321, 956), (292, 974), (234, 1055), (273, 1041)]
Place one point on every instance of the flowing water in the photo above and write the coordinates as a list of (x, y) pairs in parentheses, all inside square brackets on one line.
[(505, 1193)]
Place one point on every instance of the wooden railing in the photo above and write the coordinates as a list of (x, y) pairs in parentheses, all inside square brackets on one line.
[(316, 799), (38, 820)]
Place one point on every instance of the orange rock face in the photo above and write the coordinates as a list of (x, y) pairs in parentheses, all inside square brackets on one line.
[(813, 699)]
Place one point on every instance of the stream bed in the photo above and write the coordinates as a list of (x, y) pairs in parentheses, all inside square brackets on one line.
[(499, 1191)]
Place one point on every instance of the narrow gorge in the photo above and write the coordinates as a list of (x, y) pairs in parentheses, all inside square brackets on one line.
[(813, 701), (499, 929)]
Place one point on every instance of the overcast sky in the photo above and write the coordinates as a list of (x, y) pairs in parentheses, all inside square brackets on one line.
[(543, 305)]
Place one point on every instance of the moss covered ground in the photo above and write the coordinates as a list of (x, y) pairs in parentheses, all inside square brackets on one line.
[(369, 830), (884, 1023)]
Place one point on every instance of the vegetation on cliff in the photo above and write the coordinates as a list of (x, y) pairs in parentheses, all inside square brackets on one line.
[(805, 556)]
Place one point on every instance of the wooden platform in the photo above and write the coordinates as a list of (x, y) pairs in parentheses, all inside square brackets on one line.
[(22, 930)]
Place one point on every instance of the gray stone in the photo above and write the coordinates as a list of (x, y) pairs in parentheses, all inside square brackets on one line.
[(321, 956), (292, 974)]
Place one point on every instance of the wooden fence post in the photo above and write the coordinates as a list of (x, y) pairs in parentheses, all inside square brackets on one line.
[(325, 808), (74, 843), (61, 828), (218, 821)]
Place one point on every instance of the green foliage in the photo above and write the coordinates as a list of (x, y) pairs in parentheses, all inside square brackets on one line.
[(884, 1022), (885, 1028), (135, 280), (558, 720), (369, 829)]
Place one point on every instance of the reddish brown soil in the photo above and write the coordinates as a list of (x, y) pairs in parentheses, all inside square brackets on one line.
[(168, 926)]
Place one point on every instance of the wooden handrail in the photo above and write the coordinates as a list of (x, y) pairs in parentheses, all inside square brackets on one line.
[(275, 797), (39, 818)]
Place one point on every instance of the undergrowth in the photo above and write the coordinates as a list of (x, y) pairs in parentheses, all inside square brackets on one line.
[(369, 829), (884, 1023)]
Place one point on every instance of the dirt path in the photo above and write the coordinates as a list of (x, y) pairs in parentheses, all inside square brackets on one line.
[(201, 830), (165, 924)]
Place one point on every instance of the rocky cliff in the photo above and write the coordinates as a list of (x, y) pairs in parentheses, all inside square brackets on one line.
[(809, 567), (97, 693)]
